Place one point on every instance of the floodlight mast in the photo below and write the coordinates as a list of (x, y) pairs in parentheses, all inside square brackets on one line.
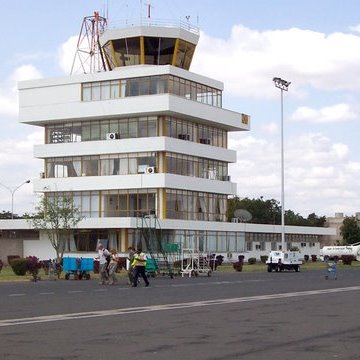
[(283, 85), (12, 192)]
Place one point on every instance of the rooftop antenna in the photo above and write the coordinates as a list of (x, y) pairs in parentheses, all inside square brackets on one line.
[(149, 6), (89, 52)]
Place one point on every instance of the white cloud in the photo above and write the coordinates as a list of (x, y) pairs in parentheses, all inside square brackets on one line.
[(328, 114), (66, 54), (317, 173), (8, 88), (355, 28), (270, 128), (249, 59), (17, 164)]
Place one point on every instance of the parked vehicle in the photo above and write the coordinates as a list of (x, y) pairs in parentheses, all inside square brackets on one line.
[(284, 260)]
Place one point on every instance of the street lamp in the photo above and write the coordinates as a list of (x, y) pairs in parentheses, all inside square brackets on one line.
[(12, 191), (283, 86)]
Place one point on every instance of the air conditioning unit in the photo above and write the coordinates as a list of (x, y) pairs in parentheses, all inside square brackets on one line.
[(42, 175), (235, 220), (112, 136), (184, 136), (150, 170), (142, 169), (205, 141)]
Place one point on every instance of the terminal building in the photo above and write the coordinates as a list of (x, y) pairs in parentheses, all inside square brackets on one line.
[(144, 144)]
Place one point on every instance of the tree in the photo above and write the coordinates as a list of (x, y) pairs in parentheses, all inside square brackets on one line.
[(269, 212), (5, 215), (8, 215), (262, 211), (350, 230), (57, 216), (314, 220)]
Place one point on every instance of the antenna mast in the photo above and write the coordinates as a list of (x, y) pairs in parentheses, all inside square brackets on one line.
[(89, 54)]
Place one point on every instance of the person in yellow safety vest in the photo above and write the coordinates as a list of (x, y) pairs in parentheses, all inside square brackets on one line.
[(139, 265)]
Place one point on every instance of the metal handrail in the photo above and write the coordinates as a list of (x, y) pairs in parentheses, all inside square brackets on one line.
[(185, 25)]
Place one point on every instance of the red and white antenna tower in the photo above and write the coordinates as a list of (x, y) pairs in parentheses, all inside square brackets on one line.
[(89, 56)]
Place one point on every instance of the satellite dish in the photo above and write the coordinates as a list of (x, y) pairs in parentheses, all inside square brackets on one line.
[(243, 215)]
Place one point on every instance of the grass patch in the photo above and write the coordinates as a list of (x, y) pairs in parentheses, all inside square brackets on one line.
[(7, 274)]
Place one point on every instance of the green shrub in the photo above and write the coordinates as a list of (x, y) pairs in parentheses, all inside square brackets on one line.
[(306, 258), (1, 265), (19, 266), (252, 261), (263, 258)]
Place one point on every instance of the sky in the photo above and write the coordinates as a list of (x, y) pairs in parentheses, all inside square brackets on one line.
[(244, 44)]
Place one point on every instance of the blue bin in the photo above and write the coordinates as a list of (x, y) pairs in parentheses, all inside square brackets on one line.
[(70, 264), (87, 264)]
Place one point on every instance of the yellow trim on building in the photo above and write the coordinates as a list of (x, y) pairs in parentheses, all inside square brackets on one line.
[(163, 203), (161, 126), (115, 64), (173, 62), (142, 50)]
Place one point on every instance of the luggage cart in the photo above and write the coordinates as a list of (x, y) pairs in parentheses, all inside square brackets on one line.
[(78, 268), (151, 267), (330, 268), (201, 265), (193, 263)]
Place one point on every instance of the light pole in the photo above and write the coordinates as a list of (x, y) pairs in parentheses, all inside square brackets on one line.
[(12, 191), (282, 85)]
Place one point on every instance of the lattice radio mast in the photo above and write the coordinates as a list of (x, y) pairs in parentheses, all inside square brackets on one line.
[(89, 56)]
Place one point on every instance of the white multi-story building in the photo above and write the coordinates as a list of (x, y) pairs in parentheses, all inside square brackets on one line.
[(145, 142)]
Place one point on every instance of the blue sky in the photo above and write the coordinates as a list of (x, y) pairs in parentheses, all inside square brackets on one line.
[(243, 43)]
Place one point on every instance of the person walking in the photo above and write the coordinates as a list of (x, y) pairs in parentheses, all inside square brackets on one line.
[(129, 267), (102, 254), (139, 265), (112, 267)]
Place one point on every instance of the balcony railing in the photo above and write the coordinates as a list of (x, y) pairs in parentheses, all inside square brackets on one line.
[(185, 25)]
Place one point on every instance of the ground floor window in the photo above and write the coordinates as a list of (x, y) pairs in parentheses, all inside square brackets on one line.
[(205, 241), (201, 240)]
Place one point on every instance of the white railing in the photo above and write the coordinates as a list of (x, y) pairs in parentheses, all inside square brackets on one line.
[(156, 23)]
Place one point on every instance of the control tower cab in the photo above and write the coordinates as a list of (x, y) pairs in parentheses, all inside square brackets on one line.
[(168, 44)]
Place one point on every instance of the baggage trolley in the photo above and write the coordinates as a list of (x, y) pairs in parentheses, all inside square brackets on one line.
[(151, 267), (330, 269), (78, 268)]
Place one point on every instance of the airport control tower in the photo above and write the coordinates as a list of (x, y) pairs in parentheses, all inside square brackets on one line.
[(140, 137)]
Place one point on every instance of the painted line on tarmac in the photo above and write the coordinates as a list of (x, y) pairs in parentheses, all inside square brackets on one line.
[(16, 294), (151, 308), (47, 293)]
